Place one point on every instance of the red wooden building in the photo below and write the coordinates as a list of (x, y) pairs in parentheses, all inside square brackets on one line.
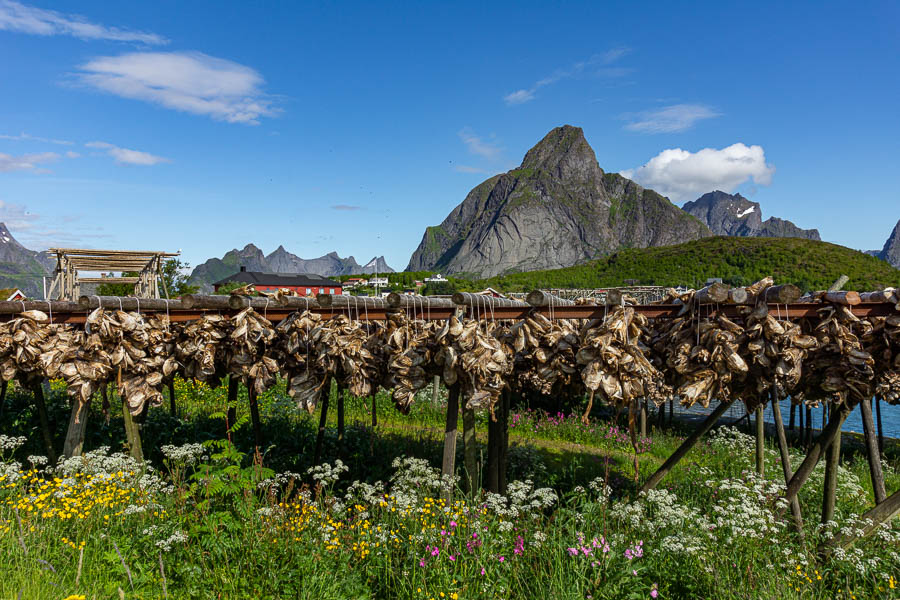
[(305, 284)]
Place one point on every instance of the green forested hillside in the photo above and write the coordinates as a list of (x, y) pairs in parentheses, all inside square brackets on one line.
[(738, 261)]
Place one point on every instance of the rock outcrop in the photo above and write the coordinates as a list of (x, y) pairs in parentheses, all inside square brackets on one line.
[(891, 250), (732, 214), (22, 268), (557, 209)]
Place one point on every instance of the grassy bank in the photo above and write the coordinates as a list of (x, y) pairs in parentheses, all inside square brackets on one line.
[(206, 519)]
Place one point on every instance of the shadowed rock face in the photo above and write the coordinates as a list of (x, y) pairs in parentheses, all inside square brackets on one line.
[(557, 209), (732, 214), (280, 261), (22, 268), (891, 250)]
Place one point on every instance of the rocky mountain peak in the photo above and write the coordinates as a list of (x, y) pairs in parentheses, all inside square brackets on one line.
[(564, 153), (891, 250), (732, 214)]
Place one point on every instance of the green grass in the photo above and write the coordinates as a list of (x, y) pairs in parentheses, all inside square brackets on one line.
[(739, 261), (710, 532)]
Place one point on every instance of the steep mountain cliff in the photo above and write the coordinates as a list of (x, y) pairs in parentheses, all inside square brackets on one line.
[(557, 209), (20, 267), (280, 261), (732, 214), (891, 250)]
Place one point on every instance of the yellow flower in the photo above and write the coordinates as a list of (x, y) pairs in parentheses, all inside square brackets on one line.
[(74, 597)]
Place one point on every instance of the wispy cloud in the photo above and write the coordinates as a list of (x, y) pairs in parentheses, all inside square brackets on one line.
[(15, 16), (25, 162), (478, 145), (598, 64), (345, 207), (24, 137), (682, 175), (125, 156), (185, 81), (37, 232), (669, 119), (468, 169)]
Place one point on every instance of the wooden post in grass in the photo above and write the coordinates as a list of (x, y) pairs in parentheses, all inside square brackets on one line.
[(814, 454), (832, 462), (435, 389), (875, 517), (469, 448), (880, 430), (44, 420), (374, 413), (786, 461), (172, 410), (3, 387), (254, 414), (671, 410), (793, 412), (685, 446), (808, 439), (503, 451), (77, 425), (231, 413), (340, 417), (802, 432), (132, 433), (323, 420), (760, 440), (643, 418), (448, 464), (872, 454)]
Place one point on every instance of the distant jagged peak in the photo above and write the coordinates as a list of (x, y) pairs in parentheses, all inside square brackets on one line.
[(735, 215), (891, 250)]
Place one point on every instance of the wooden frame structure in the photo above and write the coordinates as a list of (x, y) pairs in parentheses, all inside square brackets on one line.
[(66, 283)]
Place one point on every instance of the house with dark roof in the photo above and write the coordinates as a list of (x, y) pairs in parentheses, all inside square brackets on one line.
[(305, 284)]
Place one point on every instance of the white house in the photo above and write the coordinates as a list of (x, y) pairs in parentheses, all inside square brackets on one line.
[(436, 278), (378, 281)]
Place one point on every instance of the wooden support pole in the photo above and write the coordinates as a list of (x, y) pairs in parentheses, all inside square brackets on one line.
[(786, 462), (643, 418), (503, 451), (172, 409), (793, 411), (872, 453), (374, 413), (671, 410), (77, 426), (132, 433), (448, 464), (492, 479), (435, 389), (816, 449), (340, 417), (880, 430), (469, 448), (254, 414), (760, 440), (3, 387), (807, 440), (883, 513), (832, 462), (685, 446), (44, 420), (323, 420)]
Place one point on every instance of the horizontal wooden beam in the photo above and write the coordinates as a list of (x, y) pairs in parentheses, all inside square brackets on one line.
[(108, 279), (89, 252)]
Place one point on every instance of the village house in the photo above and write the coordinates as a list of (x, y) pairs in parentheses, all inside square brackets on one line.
[(305, 284)]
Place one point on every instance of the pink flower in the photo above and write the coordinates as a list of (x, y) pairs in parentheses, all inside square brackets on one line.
[(634, 573), (482, 570), (453, 558), (452, 523), (502, 559), (422, 562), (654, 592), (573, 551)]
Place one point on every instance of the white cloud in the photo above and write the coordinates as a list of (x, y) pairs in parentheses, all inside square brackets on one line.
[(683, 175), (25, 162), (606, 58), (124, 156), (15, 16), (478, 145), (16, 216), (24, 137), (71, 154), (186, 81), (669, 119)]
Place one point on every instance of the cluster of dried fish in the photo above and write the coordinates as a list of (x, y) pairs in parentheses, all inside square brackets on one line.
[(410, 351), (246, 353), (471, 355), (701, 355), (199, 348), (545, 354), (614, 360), (883, 342), (297, 358), (344, 350), (22, 342)]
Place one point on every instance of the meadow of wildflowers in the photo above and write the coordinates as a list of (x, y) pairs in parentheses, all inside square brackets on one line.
[(205, 519)]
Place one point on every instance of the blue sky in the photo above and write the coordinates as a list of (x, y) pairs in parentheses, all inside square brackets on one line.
[(203, 126)]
